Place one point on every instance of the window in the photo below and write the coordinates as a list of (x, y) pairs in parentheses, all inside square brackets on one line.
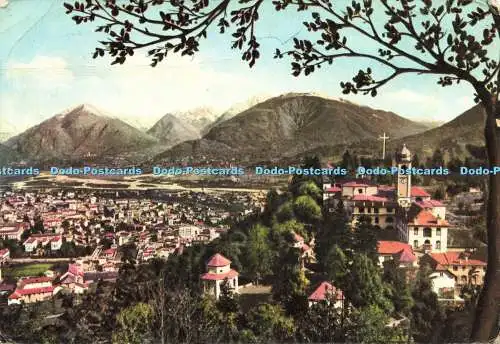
[(389, 219), (360, 191), (438, 245), (369, 210), (415, 231), (376, 220), (375, 210), (441, 274), (438, 231), (418, 199), (455, 268), (427, 232), (415, 243), (361, 210)]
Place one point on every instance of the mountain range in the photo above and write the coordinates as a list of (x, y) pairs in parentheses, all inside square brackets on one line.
[(289, 124), (79, 132), (170, 130), (261, 129), (454, 138)]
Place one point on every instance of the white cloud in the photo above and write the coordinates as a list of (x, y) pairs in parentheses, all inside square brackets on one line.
[(410, 96), (4, 3), (41, 70), (48, 85), (177, 84)]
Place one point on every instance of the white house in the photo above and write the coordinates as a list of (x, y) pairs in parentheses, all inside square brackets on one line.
[(30, 244), (443, 282), (219, 270), (327, 292)]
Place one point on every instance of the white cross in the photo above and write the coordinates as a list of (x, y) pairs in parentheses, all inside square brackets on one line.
[(384, 138)]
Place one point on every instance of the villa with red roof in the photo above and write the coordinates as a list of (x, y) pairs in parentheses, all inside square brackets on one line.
[(405, 212), (465, 268), (402, 252), (218, 271), (32, 289), (326, 292)]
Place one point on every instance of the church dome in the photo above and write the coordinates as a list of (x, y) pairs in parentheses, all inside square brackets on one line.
[(405, 153)]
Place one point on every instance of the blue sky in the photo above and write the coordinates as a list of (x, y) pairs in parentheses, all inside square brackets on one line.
[(46, 67)]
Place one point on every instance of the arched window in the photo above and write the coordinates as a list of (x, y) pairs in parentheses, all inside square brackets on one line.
[(427, 232), (427, 242)]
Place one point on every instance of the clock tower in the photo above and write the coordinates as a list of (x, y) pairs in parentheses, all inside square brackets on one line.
[(403, 161)]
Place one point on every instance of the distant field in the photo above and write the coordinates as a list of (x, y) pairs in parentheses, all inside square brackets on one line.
[(18, 271)]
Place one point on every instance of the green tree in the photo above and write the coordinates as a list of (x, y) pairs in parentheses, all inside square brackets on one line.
[(310, 188), (336, 267), (133, 324), (306, 209), (364, 286), (456, 42), (370, 325), (365, 238), (258, 255), (289, 281), (334, 230), (285, 212), (426, 313), (400, 294), (269, 323), (322, 323)]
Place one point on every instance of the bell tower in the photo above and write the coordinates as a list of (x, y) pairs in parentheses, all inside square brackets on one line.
[(403, 161)]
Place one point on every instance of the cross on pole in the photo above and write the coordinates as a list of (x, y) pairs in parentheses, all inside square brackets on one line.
[(383, 138)]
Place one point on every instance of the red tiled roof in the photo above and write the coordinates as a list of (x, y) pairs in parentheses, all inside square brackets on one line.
[(432, 203), (406, 256), (32, 280), (355, 184), (32, 291), (417, 191), (369, 198), (333, 189), (218, 260), (218, 277), (392, 247), (75, 269), (455, 258), (323, 290), (426, 218), (30, 241)]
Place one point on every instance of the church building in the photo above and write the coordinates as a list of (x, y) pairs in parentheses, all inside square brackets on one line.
[(402, 210)]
